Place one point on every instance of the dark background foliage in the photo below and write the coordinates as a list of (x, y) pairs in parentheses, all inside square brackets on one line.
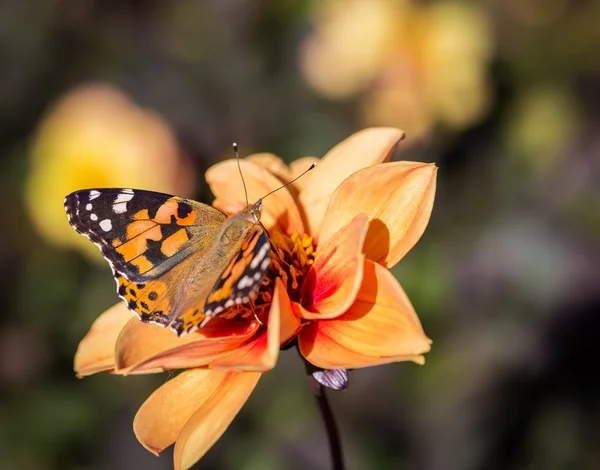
[(505, 279)]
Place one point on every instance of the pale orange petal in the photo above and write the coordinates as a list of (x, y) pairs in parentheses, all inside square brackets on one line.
[(331, 284), (279, 209), (363, 149), (144, 348), (96, 351), (380, 327), (260, 353), (272, 163), (397, 197), (164, 414), (214, 415), (299, 166)]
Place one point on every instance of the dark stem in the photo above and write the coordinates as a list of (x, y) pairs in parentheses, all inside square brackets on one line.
[(335, 446)]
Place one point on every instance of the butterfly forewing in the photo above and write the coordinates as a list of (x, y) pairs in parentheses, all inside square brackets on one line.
[(243, 276), (142, 234)]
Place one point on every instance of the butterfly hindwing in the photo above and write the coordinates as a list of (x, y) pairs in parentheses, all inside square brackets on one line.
[(162, 300)]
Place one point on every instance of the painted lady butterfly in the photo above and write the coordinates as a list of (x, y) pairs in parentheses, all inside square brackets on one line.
[(177, 262)]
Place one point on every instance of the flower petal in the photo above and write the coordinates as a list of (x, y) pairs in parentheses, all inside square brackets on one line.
[(397, 197), (96, 351), (289, 323), (214, 415), (272, 163), (299, 166), (164, 414), (144, 348), (380, 327), (259, 354), (331, 284), (279, 209), (365, 148)]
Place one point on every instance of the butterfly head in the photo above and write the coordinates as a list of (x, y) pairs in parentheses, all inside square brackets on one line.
[(253, 212)]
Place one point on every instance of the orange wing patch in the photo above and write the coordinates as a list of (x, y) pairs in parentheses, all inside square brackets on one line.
[(171, 209), (141, 215), (163, 228), (138, 227), (142, 263), (189, 320), (147, 300), (231, 275), (171, 245), (138, 244)]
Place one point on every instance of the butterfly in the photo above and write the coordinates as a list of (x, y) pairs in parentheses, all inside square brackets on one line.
[(177, 262)]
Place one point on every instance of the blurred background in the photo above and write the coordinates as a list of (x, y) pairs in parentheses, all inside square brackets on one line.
[(504, 95)]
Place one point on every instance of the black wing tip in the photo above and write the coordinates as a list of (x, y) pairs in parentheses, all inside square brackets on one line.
[(71, 204)]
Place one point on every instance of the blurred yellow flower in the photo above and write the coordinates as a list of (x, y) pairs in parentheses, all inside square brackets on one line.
[(96, 137), (418, 64)]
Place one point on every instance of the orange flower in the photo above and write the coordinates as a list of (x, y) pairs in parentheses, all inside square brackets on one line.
[(337, 231)]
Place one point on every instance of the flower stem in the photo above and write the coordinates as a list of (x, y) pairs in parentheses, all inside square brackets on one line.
[(335, 445)]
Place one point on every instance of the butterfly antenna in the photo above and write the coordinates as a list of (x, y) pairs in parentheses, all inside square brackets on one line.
[(290, 182), (237, 157), (273, 247)]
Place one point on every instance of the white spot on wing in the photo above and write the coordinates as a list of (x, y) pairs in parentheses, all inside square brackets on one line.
[(106, 225), (259, 256), (88, 207), (128, 190), (246, 281), (120, 208), (229, 303), (124, 197), (93, 194), (265, 264), (120, 204), (94, 217)]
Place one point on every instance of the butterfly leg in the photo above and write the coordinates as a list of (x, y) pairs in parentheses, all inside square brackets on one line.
[(252, 307)]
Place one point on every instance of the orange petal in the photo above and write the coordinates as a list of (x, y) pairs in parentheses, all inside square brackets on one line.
[(213, 416), (164, 414), (397, 197), (299, 166), (272, 163), (332, 282), (289, 323), (278, 209), (380, 327), (144, 348), (365, 148), (260, 354), (96, 351)]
